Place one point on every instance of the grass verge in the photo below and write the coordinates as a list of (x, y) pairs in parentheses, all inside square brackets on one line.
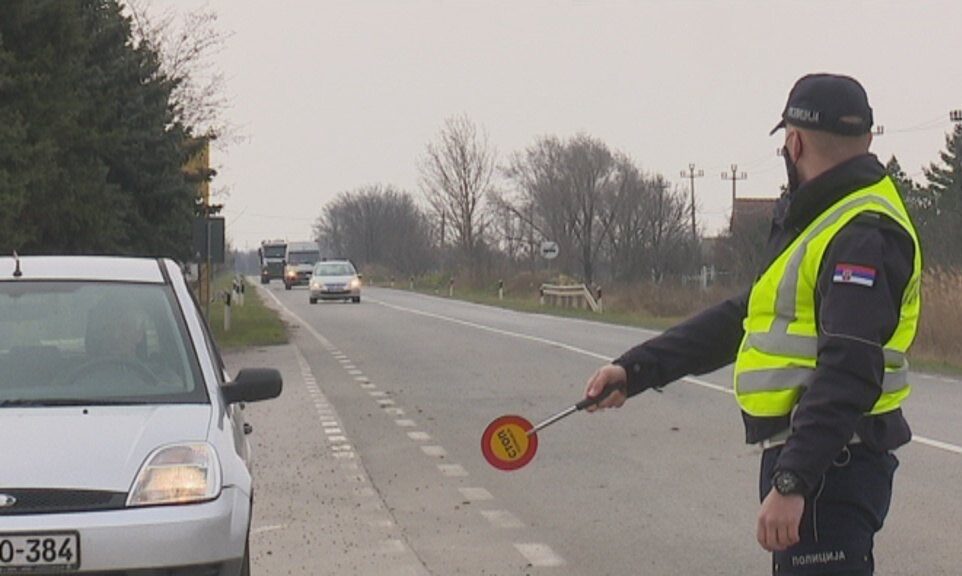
[(252, 324)]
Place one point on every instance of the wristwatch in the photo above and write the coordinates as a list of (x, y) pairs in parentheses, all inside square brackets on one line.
[(787, 482)]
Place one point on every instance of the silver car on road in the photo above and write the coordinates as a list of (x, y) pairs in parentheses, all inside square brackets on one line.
[(124, 446), (335, 280)]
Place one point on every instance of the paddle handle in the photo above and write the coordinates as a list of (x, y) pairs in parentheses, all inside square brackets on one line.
[(605, 392)]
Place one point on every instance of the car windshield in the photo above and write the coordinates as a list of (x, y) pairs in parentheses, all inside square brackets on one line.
[(275, 251), (90, 342), (303, 257), (334, 269)]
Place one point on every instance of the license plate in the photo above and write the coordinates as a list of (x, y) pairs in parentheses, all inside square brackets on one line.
[(24, 553)]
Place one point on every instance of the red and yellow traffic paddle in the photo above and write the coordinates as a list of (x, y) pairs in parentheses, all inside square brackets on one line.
[(510, 442)]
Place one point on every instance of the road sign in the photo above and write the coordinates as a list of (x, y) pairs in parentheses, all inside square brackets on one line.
[(549, 250)]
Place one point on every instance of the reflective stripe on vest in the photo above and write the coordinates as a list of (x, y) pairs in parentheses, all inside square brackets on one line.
[(778, 355)]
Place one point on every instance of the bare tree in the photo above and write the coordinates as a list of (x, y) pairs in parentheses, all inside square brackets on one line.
[(456, 176), (186, 45), (542, 201), (569, 184), (377, 225), (591, 182)]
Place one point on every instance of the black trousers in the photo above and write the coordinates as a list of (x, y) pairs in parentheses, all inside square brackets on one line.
[(842, 515)]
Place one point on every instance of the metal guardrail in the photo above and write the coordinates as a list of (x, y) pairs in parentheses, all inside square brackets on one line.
[(571, 296)]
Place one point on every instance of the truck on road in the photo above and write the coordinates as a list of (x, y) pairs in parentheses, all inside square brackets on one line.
[(272, 255), (300, 260)]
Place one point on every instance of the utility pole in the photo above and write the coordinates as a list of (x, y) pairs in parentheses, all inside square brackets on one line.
[(444, 214), (691, 175), (734, 176)]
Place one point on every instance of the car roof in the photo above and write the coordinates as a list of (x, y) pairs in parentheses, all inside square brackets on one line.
[(103, 268)]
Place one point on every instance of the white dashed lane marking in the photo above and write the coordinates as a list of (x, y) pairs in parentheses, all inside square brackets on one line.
[(453, 470), (502, 519), (539, 555), (270, 528), (435, 451), (473, 494)]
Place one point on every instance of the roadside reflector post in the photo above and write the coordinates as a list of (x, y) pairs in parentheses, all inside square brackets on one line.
[(227, 299), (500, 289)]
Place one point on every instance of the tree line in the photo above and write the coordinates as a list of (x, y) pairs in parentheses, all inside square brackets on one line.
[(478, 216), (94, 133)]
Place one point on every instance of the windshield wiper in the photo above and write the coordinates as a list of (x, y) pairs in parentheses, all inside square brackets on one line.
[(23, 402)]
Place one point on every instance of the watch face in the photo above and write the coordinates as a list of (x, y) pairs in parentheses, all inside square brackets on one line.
[(786, 483)]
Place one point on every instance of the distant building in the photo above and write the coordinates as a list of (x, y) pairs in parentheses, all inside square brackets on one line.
[(736, 256), (747, 212)]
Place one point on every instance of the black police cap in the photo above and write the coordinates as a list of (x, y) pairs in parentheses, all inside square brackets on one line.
[(830, 103)]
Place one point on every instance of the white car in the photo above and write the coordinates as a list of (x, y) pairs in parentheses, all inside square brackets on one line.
[(335, 280), (124, 446)]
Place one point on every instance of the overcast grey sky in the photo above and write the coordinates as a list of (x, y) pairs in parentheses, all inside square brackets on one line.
[(333, 95)]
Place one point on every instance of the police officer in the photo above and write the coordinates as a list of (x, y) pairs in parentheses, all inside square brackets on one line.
[(819, 340)]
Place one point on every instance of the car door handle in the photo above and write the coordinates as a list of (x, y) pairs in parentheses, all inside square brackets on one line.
[(248, 428)]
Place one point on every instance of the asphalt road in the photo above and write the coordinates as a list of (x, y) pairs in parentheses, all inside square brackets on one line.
[(370, 462)]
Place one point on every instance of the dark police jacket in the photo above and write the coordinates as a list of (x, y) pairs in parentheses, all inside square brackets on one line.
[(853, 323)]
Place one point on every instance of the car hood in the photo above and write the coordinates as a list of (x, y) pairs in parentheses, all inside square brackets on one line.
[(91, 448), (334, 279)]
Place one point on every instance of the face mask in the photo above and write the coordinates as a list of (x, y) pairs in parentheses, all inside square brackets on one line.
[(791, 169)]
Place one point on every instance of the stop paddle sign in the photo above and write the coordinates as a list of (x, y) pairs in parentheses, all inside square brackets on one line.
[(506, 444), (509, 442)]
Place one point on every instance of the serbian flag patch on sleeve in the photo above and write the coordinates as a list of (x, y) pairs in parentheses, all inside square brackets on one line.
[(854, 274)]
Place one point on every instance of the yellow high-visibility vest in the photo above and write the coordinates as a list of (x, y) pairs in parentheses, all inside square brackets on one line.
[(778, 353)]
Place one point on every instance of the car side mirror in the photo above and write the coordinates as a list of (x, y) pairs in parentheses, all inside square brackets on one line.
[(252, 385), (360, 276)]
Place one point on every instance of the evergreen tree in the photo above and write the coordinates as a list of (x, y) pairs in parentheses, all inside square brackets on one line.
[(918, 200), (90, 161), (945, 191)]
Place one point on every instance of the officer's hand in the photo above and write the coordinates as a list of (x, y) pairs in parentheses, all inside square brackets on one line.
[(778, 521), (610, 374)]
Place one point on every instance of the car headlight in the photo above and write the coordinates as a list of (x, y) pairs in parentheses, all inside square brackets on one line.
[(177, 474), (291, 272), (354, 283)]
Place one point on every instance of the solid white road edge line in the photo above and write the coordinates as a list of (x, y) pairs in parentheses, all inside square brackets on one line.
[(938, 444)]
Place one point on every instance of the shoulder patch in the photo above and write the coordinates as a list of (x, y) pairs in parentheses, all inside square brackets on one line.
[(854, 274)]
